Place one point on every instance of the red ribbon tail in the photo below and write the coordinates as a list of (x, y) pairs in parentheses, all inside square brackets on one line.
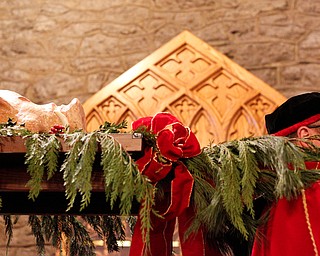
[(161, 234), (181, 190), (137, 244), (195, 243), (160, 239)]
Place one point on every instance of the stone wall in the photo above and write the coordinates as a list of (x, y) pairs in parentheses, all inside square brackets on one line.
[(58, 50), (23, 241)]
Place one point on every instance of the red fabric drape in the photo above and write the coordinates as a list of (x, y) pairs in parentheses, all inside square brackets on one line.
[(293, 228), (162, 234), (174, 141)]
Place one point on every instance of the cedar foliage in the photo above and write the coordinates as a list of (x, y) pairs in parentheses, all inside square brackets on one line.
[(123, 182), (229, 178), (241, 172), (77, 167), (41, 155)]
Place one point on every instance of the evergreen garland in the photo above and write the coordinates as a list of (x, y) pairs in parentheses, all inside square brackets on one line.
[(42, 153), (35, 224), (127, 184), (229, 178), (77, 167), (8, 231), (123, 183), (10, 129), (109, 229), (242, 171)]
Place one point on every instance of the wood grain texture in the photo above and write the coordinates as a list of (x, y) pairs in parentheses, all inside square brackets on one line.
[(52, 199), (218, 99)]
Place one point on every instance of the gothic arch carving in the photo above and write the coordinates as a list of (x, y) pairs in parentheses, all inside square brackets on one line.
[(207, 91)]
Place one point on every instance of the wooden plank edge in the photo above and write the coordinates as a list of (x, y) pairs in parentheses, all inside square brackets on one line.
[(130, 142)]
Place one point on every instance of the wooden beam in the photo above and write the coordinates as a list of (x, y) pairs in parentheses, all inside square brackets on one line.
[(16, 144), (52, 199)]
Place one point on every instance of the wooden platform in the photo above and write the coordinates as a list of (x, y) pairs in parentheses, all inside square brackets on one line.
[(14, 176)]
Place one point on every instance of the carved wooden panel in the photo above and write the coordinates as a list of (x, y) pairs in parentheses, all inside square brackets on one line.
[(203, 88)]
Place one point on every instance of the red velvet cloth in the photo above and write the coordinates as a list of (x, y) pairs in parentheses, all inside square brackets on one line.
[(288, 229)]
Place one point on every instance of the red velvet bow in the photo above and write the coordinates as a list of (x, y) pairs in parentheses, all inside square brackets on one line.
[(173, 142)]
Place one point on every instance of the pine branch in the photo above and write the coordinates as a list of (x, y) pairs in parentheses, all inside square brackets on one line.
[(210, 213), (85, 167), (108, 127), (47, 224), (278, 154), (42, 153), (113, 232), (109, 228), (119, 229), (250, 172), (114, 166), (269, 167), (145, 194), (202, 171), (52, 148), (77, 167), (36, 228), (35, 164), (289, 183), (80, 242), (56, 231), (123, 182), (119, 171), (232, 200), (69, 167), (8, 231), (131, 220), (11, 128), (95, 222)]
